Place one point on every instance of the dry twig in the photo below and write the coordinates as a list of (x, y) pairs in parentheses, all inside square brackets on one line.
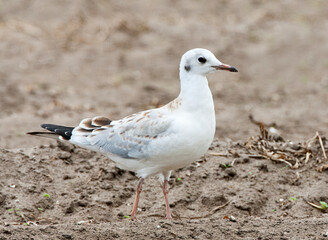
[(321, 144), (322, 168), (277, 149), (315, 206), (219, 154)]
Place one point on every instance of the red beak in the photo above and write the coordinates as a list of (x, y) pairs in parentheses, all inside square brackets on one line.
[(226, 67)]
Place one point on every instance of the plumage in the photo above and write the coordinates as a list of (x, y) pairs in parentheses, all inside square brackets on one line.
[(64, 132), (157, 141)]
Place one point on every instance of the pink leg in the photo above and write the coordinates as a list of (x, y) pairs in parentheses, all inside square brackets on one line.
[(165, 192), (136, 200)]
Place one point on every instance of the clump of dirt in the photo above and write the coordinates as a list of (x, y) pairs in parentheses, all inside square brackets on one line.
[(40, 187)]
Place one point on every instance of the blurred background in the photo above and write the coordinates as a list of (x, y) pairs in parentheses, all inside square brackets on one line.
[(62, 61)]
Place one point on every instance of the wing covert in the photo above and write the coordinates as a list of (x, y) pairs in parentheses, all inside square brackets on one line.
[(129, 137)]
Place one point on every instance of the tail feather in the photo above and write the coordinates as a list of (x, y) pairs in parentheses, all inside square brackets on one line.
[(44, 134), (55, 131)]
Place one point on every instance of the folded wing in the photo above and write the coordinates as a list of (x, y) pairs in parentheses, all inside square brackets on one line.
[(128, 138)]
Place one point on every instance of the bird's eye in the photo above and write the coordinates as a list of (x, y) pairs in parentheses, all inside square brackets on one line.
[(202, 60)]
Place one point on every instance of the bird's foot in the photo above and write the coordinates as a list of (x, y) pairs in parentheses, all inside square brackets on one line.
[(168, 215), (133, 218)]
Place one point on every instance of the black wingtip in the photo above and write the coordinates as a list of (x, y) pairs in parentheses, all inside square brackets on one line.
[(65, 132), (43, 134), (31, 133)]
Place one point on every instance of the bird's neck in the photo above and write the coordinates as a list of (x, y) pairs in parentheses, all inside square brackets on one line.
[(195, 94)]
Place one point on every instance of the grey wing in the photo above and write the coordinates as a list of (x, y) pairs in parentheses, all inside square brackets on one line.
[(129, 137)]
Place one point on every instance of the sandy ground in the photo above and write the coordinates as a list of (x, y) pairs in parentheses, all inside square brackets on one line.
[(62, 61)]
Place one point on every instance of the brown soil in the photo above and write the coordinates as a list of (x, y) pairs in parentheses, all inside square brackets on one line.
[(62, 61)]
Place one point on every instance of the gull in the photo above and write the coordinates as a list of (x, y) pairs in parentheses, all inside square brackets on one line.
[(160, 140)]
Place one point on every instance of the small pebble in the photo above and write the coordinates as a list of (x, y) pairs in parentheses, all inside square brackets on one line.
[(66, 236), (232, 219), (82, 222)]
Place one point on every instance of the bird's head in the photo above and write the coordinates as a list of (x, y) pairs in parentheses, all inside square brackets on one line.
[(200, 61)]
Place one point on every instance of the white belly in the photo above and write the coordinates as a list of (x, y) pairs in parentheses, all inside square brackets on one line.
[(187, 141), (191, 140)]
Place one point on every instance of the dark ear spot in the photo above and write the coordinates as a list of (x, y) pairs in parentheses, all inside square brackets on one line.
[(187, 67)]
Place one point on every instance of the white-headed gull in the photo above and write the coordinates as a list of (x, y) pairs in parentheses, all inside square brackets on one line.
[(156, 141)]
